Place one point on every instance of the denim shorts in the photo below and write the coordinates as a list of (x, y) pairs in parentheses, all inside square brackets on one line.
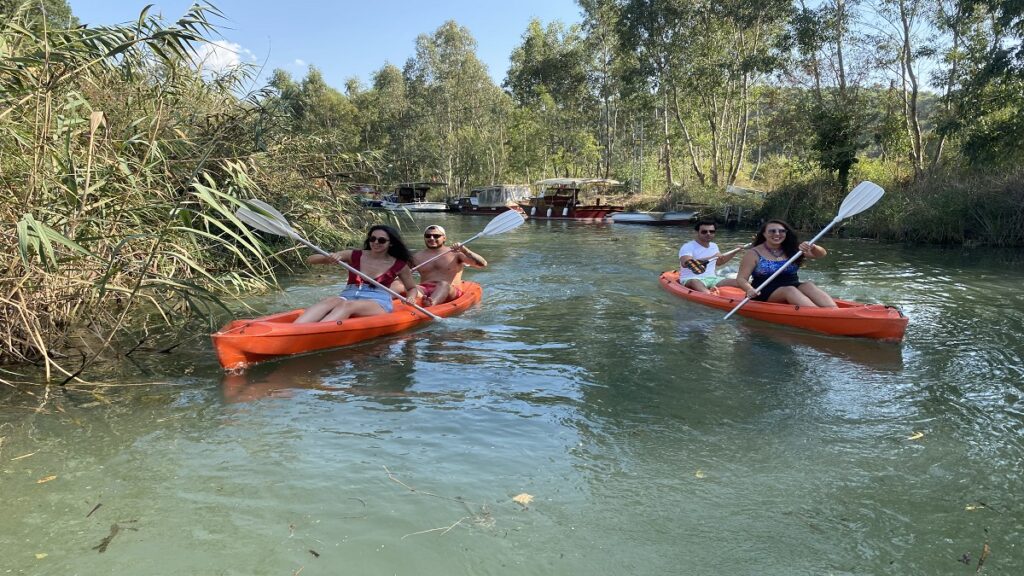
[(368, 292)]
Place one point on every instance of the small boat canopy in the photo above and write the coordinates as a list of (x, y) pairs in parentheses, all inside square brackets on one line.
[(576, 182), (500, 195)]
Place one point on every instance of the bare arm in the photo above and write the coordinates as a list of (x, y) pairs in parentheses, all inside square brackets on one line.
[(746, 269), (469, 257), (813, 251), (411, 289), (723, 258), (343, 256)]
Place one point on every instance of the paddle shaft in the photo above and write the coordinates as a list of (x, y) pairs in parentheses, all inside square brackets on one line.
[(729, 253), (792, 259), (364, 276), (273, 222)]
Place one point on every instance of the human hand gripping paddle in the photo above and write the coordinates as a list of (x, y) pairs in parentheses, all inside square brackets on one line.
[(267, 219), (700, 266), (862, 197), (508, 220)]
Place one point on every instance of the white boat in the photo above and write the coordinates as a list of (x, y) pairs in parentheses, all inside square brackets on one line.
[(676, 217), (412, 197), (414, 206)]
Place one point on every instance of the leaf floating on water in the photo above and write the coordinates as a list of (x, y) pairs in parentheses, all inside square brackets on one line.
[(45, 480), (699, 474), (916, 436), (41, 555), (523, 499), (975, 506)]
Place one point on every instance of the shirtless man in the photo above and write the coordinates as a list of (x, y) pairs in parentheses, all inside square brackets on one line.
[(440, 279)]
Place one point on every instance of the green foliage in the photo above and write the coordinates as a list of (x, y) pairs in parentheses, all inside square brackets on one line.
[(120, 183), (123, 164)]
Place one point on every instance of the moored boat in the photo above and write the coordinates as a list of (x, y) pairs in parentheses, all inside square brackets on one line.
[(412, 196), (677, 217), (244, 342), (849, 319), (491, 200), (570, 199)]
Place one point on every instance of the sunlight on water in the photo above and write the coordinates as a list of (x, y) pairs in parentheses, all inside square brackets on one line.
[(653, 437)]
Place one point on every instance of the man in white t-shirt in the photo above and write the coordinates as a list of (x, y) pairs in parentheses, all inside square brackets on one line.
[(700, 253)]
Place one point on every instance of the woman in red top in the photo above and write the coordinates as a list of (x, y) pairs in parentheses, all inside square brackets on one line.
[(384, 258)]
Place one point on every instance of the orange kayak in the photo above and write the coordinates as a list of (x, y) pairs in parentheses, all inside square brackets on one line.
[(849, 319), (244, 342)]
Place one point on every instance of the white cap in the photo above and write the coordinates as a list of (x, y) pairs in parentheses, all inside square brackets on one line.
[(436, 227)]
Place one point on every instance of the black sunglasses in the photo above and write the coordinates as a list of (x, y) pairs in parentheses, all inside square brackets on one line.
[(707, 231), (379, 239), (434, 236)]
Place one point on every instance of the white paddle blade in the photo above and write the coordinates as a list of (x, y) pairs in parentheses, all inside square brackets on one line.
[(267, 209), (862, 197), (264, 224), (508, 220)]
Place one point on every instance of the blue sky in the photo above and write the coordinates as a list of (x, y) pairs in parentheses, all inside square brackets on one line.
[(345, 38)]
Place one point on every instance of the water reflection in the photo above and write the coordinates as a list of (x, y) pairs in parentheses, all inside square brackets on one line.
[(875, 355), (383, 371)]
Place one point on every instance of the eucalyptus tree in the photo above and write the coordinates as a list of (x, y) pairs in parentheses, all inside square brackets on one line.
[(902, 48), (834, 74), (608, 72), (550, 76), (452, 127), (983, 79), (704, 60)]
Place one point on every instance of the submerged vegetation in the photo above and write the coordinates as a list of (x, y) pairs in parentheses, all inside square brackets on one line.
[(122, 158)]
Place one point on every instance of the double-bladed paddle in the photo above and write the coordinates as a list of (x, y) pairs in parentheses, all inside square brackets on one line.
[(508, 220), (264, 217), (862, 197)]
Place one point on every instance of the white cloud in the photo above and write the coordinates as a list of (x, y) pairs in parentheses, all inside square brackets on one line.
[(220, 56), (299, 62)]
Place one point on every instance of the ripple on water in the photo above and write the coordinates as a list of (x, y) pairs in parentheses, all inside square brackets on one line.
[(653, 436)]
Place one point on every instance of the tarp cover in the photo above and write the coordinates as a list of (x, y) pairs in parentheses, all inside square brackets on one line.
[(496, 196)]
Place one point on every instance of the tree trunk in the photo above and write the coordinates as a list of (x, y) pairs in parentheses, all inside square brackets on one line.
[(913, 122), (668, 143), (694, 161)]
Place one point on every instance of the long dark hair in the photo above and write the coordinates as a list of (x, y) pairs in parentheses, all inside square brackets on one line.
[(790, 244), (396, 248)]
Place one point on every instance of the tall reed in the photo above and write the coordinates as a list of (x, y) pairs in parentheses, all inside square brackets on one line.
[(121, 166)]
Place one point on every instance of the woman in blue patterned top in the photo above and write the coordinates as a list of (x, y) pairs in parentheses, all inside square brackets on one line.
[(775, 243)]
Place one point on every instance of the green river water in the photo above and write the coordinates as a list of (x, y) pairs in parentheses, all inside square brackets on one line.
[(653, 437)]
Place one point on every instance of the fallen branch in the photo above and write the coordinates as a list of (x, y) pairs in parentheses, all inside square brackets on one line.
[(446, 529)]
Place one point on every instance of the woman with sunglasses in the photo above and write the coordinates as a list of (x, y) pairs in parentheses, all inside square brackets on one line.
[(776, 242), (384, 258)]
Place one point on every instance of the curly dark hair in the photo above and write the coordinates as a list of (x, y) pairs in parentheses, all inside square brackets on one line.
[(790, 244), (396, 247)]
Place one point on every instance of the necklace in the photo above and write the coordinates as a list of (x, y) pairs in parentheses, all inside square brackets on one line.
[(775, 253)]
